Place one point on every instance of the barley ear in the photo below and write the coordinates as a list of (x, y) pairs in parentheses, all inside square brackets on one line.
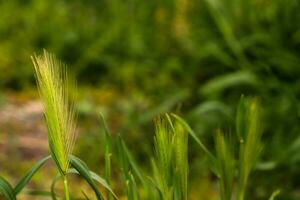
[(181, 160), (250, 143), (226, 165), (59, 112), (163, 149)]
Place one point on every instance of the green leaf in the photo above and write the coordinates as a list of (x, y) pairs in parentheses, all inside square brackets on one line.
[(225, 27), (215, 86), (108, 155), (132, 190), (6, 189), (84, 171), (212, 159), (274, 194), (97, 178), (23, 182), (85, 195), (92, 176), (154, 184), (211, 106), (53, 195), (165, 106), (131, 161), (123, 158), (129, 164), (103, 182)]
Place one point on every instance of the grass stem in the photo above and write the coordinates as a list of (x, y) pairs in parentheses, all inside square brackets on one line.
[(66, 188), (241, 193)]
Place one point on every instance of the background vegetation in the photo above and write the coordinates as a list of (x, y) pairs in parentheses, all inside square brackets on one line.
[(136, 59)]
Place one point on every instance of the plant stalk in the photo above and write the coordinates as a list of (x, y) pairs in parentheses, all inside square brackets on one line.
[(241, 191), (241, 195), (66, 188)]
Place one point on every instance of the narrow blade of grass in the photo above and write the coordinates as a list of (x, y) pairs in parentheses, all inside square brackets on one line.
[(274, 194), (84, 172), (107, 155), (6, 189), (24, 181)]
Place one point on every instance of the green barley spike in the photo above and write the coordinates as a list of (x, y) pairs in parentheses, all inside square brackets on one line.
[(181, 160), (251, 147), (59, 111), (163, 148), (226, 166)]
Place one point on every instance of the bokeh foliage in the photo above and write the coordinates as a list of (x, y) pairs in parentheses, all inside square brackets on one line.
[(201, 53)]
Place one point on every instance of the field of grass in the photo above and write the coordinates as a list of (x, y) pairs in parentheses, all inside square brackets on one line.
[(175, 99)]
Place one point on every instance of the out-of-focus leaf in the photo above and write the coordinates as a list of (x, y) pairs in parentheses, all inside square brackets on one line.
[(215, 86), (103, 182), (165, 106), (108, 154), (128, 162), (274, 194), (211, 106), (85, 195), (6, 190), (225, 27), (133, 164), (265, 166)]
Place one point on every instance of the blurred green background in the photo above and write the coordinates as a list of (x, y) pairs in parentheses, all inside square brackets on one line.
[(134, 60)]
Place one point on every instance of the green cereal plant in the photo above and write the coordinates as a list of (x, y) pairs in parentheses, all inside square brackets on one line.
[(249, 133), (231, 163), (181, 161), (163, 152), (224, 165), (59, 112), (171, 142), (226, 161)]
